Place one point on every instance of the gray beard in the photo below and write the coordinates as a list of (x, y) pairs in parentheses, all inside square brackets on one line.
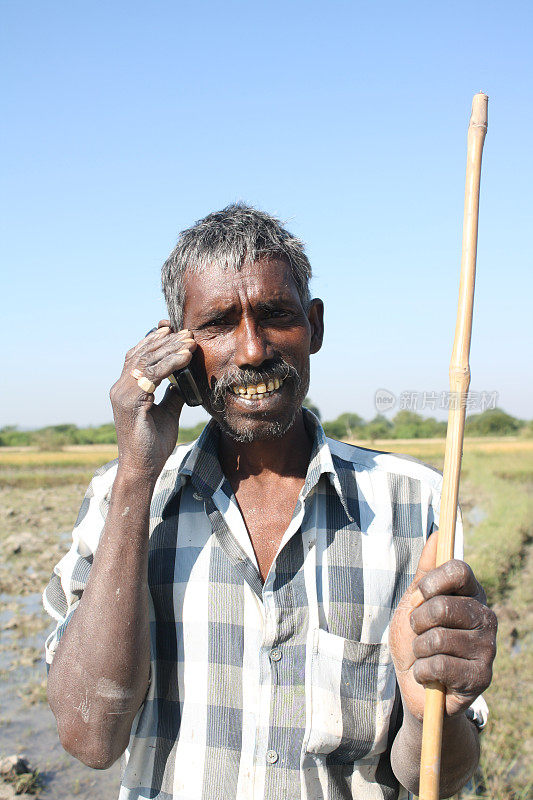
[(216, 400), (273, 430)]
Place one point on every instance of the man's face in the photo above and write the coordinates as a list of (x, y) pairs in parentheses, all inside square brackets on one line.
[(254, 341)]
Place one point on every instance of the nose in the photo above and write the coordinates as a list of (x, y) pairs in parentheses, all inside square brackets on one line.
[(252, 347)]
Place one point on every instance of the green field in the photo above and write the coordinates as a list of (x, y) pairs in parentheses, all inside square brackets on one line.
[(40, 493)]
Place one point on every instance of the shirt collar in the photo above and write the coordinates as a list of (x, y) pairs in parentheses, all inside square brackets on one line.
[(202, 466)]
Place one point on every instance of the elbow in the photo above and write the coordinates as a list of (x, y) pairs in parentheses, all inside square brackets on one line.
[(92, 750), (87, 737)]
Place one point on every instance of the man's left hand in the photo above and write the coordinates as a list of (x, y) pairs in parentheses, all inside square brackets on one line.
[(443, 631)]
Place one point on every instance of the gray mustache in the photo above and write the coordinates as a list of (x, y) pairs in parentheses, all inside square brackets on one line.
[(281, 370)]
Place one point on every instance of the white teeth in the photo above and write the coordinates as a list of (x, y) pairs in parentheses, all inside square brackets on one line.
[(241, 390)]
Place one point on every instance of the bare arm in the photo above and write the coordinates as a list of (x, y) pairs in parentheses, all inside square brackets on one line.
[(99, 675), (460, 753), (100, 672)]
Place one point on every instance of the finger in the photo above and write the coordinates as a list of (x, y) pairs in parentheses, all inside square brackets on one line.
[(172, 401), (458, 675), (168, 363), (459, 643), (464, 613), (452, 578), (168, 347), (163, 343), (153, 341), (153, 335), (163, 323)]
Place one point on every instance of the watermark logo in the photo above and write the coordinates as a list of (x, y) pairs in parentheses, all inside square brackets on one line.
[(384, 400)]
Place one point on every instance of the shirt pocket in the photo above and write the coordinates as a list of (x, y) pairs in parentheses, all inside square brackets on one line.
[(353, 685)]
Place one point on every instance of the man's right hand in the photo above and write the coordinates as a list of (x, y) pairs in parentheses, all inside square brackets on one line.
[(147, 431), (102, 663)]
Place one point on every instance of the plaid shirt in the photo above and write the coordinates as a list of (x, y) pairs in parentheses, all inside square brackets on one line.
[(282, 690)]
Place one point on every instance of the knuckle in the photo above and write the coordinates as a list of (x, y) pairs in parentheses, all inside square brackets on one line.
[(439, 666), (492, 620), (460, 573), (488, 643), (438, 639), (418, 647), (476, 677), (149, 372), (421, 646), (185, 356), (476, 614), (114, 392), (420, 671), (437, 609), (416, 619), (486, 678)]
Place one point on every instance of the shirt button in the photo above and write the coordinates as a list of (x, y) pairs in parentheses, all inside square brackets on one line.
[(275, 654), (272, 756), (197, 496)]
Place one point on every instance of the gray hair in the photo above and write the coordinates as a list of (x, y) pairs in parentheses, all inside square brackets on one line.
[(229, 238)]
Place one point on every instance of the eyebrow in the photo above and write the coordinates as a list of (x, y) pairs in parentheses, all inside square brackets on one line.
[(273, 304), (213, 312)]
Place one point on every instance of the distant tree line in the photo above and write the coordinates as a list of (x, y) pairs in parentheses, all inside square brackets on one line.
[(404, 425), (409, 425), (54, 437)]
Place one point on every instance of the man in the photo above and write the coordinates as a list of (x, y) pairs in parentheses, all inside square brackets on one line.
[(242, 615)]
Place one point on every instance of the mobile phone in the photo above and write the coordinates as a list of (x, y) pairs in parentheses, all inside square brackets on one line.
[(184, 383)]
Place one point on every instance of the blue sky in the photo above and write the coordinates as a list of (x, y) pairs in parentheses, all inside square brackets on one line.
[(127, 121)]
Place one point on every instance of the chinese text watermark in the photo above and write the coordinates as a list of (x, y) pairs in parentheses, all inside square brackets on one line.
[(410, 400)]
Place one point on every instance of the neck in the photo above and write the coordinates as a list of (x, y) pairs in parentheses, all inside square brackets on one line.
[(286, 456)]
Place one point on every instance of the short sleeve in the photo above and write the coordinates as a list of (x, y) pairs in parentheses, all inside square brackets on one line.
[(70, 575)]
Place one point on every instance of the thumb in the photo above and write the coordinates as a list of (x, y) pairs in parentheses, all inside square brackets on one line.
[(172, 401), (427, 562)]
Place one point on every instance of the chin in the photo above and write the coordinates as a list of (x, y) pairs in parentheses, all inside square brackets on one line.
[(258, 431)]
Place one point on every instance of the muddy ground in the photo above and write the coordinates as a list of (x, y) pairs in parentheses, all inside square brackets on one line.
[(35, 533)]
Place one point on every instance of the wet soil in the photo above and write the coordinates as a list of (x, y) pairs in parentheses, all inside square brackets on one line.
[(35, 526), (26, 723)]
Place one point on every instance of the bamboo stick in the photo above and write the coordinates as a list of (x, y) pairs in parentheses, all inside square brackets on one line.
[(459, 382)]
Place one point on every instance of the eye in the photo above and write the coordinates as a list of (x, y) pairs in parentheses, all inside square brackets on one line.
[(215, 323), (276, 314)]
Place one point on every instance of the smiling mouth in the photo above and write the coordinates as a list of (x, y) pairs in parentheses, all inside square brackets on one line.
[(256, 391)]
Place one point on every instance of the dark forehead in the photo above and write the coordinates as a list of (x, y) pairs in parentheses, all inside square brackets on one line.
[(266, 279)]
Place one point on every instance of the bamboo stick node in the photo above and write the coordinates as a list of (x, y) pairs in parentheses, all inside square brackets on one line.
[(480, 110)]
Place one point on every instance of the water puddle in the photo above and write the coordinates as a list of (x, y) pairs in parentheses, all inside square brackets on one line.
[(26, 723), (475, 515)]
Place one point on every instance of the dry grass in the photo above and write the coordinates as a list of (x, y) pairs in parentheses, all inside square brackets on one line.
[(76, 457)]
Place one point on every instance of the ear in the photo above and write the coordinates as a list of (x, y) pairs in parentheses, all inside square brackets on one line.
[(315, 315)]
